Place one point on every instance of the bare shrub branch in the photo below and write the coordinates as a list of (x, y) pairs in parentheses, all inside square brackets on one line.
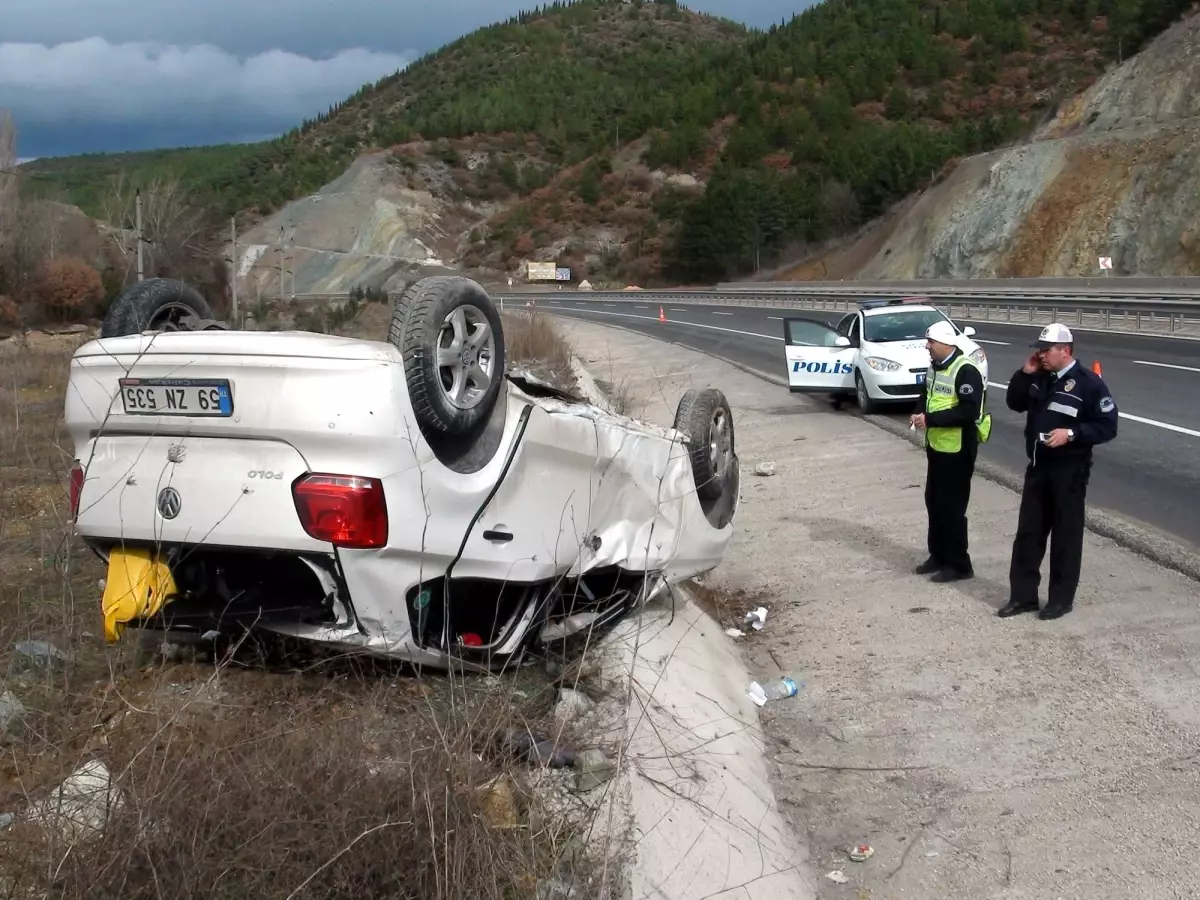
[(176, 231)]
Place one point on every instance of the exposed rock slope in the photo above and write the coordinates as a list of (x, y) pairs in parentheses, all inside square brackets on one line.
[(367, 227), (1113, 174)]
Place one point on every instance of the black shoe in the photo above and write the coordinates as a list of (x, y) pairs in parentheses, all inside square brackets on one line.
[(947, 575), (1055, 610), (1015, 609), (928, 567)]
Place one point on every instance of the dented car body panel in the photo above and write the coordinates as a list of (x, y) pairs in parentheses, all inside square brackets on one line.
[(573, 511)]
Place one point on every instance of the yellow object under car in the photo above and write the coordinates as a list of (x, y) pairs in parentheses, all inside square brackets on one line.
[(137, 586)]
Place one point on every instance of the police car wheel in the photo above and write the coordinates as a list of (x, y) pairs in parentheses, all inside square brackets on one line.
[(865, 404)]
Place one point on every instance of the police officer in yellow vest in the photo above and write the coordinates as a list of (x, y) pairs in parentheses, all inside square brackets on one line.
[(955, 424)]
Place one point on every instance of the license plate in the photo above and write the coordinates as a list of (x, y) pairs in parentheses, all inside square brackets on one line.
[(920, 378), (176, 396)]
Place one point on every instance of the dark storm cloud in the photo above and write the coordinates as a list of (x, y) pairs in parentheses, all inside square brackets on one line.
[(79, 75)]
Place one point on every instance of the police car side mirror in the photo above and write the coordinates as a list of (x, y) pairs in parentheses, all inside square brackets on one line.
[(841, 341), (969, 331)]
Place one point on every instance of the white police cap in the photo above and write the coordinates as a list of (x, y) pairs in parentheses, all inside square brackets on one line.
[(942, 332), (1054, 333)]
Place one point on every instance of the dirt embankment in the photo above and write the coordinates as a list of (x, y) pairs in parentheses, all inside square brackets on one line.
[(1112, 175)]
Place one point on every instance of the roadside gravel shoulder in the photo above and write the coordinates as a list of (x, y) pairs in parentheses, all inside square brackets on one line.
[(979, 757)]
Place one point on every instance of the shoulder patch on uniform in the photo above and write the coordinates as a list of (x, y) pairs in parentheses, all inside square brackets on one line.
[(966, 389), (1107, 405), (1070, 385)]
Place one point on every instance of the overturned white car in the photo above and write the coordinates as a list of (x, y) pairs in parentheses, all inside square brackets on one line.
[(407, 498)]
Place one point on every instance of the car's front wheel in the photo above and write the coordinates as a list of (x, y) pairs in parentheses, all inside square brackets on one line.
[(706, 420), (866, 405)]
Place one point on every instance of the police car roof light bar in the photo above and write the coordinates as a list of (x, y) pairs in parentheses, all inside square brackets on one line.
[(876, 302)]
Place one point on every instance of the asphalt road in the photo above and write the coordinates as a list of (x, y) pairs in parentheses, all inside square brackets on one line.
[(1150, 473)]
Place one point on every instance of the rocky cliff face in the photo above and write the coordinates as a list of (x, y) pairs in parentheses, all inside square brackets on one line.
[(377, 225), (485, 205), (1115, 173)]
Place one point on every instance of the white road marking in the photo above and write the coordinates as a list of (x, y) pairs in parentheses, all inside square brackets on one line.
[(641, 307), (775, 318), (1146, 362), (717, 312), (997, 343), (1178, 429), (673, 309), (1115, 332), (769, 337)]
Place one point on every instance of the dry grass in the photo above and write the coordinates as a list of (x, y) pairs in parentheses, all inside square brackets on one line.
[(251, 772), (530, 338), (727, 607), (620, 398), (534, 342)]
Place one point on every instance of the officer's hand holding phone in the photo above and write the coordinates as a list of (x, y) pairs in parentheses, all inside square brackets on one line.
[(1056, 438), (1032, 364)]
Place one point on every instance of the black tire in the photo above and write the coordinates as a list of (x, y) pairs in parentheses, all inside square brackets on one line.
[(705, 417), (866, 405), (157, 304), (429, 311)]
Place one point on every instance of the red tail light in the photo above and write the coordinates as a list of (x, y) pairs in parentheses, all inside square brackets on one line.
[(345, 510), (76, 488)]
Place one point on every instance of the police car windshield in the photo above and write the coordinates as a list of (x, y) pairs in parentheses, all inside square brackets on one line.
[(899, 326)]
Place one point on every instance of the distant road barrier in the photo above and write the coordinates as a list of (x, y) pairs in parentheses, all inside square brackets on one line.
[(1153, 306)]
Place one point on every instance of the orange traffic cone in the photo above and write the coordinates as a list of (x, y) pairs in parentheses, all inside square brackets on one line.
[(1096, 367), (662, 316)]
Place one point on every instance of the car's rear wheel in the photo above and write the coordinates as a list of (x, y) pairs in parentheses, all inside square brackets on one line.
[(448, 330), (158, 304), (706, 420), (865, 404)]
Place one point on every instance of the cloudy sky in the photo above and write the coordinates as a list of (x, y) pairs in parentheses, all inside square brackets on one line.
[(103, 75)]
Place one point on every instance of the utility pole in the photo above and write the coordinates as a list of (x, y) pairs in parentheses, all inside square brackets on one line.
[(281, 262), (233, 267), (138, 213)]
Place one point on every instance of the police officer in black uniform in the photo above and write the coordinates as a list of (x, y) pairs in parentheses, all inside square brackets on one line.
[(1069, 410)]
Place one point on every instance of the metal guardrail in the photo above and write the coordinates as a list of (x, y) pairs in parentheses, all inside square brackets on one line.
[(1148, 310)]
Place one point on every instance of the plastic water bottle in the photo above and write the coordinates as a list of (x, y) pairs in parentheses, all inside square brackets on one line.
[(779, 689)]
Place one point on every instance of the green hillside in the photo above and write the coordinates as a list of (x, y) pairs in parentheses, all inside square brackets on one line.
[(801, 132)]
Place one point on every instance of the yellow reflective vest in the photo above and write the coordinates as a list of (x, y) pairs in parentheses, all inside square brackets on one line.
[(940, 395)]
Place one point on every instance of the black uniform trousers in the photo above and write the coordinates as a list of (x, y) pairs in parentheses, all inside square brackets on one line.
[(1052, 505), (947, 494)]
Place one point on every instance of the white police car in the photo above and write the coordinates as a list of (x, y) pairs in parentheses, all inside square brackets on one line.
[(876, 354)]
